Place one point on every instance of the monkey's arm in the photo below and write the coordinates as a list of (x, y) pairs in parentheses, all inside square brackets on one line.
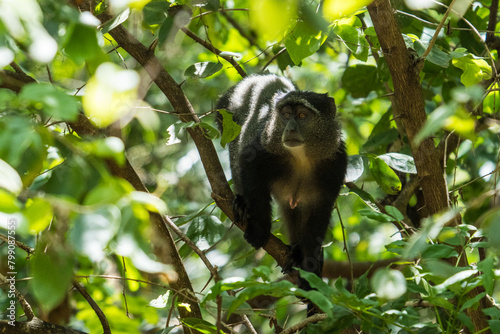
[(253, 204)]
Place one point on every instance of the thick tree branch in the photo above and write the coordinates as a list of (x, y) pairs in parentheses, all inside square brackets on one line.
[(35, 326)]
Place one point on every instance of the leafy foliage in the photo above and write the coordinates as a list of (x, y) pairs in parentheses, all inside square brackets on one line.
[(66, 138)]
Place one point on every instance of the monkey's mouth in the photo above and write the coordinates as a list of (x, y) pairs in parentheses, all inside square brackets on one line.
[(293, 142)]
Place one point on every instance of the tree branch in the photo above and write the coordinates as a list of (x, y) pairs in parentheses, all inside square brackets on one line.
[(214, 50), (102, 317), (35, 326), (6, 286), (438, 30), (310, 320)]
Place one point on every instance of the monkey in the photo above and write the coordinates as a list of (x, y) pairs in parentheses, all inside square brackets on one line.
[(290, 148)]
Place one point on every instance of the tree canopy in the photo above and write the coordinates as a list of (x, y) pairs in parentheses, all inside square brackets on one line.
[(115, 191)]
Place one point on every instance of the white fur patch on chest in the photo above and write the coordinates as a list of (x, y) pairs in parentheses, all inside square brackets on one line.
[(296, 188)]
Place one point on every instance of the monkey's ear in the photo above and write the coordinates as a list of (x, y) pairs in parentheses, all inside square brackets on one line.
[(332, 106)]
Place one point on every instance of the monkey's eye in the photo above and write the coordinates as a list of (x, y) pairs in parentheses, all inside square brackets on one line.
[(286, 112), (302, 115)]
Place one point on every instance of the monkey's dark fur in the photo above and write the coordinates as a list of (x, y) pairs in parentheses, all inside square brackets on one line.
[(290, 148)]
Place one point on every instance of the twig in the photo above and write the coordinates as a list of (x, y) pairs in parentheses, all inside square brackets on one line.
[(221, 10), (192, 245), (272, 59), (19, 244), (28, 311), (214, 50), (438, 30), (242, 32), (345, 247), (249, 325), (123, 285), (123, 279), (310, 320), (102, 317)]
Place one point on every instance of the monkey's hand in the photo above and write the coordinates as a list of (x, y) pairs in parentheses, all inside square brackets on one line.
[(256, 235)]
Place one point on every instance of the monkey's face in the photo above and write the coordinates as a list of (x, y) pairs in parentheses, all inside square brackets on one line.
[(294, 120)]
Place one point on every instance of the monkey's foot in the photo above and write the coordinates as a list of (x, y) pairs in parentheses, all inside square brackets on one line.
[(294, 259)]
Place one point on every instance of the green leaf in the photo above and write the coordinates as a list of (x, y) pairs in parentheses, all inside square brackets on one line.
[(381, 217), (231, 129), (474, 70), (491, 103), (457, 278), (303, 41), (51, 101), (167, 29), (487, 267), (473, 301), (439, 251), (39, 214), (10, 179), (436, 56), (276, 289), (386, 178), (8, 202), (366, 198), (388, 284), (355, 168), (116, 21), (353, 39), (400, 162), (394, 212), (52, 272), (336, 9), (203, 69), (155, 12), (81, 43), (360, 80), (200, 325)]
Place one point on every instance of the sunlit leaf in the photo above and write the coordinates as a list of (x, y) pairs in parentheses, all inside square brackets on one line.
[(110, 94), (203, 70), (231, 129), (10, 179), (39, 214), (474, 70), (337, 9), (303, 41), (161, 301), (400, 162), (491, 103), (271, 18)]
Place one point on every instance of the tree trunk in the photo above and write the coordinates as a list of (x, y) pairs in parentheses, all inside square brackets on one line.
[(408, 94)]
